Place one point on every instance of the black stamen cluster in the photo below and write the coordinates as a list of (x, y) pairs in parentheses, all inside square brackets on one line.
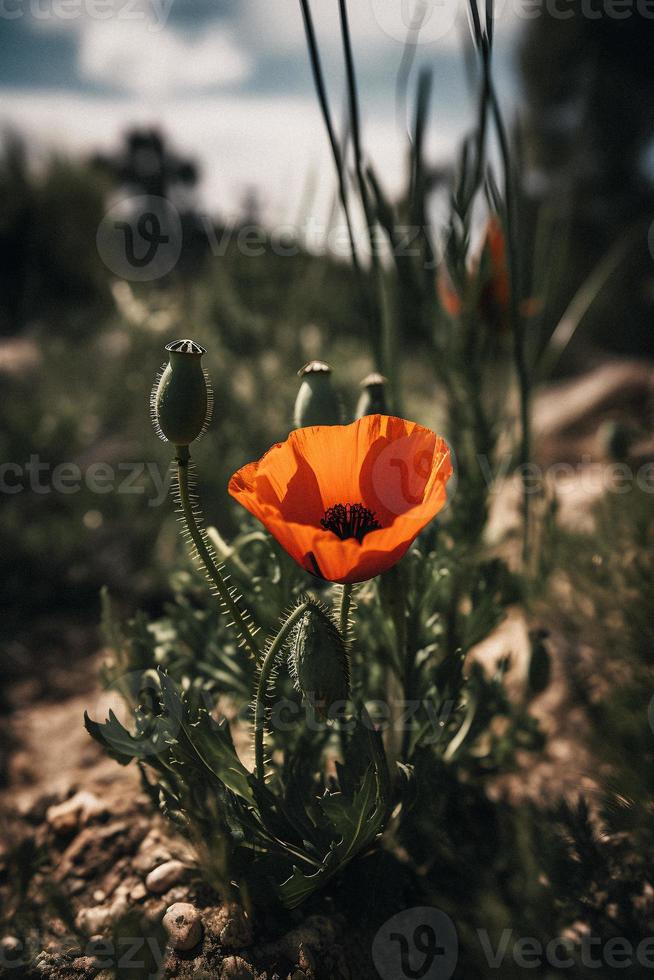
[(350, 521)]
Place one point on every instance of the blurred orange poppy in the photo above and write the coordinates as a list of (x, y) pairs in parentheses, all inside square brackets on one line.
[(496, 292), (488, 283), (347, 501)]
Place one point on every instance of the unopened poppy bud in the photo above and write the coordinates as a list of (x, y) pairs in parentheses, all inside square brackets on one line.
[(181, 399), (319, 662), (372, 400), (317, 402)]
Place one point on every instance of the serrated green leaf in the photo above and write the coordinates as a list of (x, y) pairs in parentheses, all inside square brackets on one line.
[(356, 823), (120, 744)]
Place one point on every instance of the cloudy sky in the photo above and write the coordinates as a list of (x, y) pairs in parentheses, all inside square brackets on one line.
[(229, 81)]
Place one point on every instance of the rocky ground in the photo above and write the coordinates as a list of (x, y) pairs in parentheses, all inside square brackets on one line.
[(112, 889)]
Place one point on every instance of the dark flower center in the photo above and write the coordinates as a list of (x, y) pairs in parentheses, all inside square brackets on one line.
[(350, 521)]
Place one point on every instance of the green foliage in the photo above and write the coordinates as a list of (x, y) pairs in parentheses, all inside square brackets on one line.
[(48, 224), (286, 837), (270, 846)]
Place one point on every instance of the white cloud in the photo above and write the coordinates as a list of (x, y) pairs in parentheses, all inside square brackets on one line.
[(375, 25), (155, 63), (273, 144)]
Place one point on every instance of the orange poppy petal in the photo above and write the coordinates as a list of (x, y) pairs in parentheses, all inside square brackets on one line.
[(395, 468)]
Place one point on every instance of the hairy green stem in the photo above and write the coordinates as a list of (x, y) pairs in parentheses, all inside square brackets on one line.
[(344, 610), (264, 679), (183, 459)]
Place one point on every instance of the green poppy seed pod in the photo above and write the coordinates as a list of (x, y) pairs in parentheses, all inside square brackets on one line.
[(181, 399), (373, 400), (317, 402), (320, 663)]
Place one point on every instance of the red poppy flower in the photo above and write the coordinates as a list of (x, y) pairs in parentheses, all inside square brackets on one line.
[(347, 501)]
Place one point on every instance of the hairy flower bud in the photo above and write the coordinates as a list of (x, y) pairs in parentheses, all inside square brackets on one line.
[(181, 399), (319, 661), (372, 400), (317, 401)]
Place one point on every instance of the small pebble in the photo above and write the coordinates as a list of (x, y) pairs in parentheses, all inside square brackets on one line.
[(119, 907), (164, 877), (10, 946), (138, 892), (183, 925), (152, 851), (67, 817), (93, 920)]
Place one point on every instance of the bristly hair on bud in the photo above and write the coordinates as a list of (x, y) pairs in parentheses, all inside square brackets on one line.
[(317, 402), (319, 660), (181, 401), (373, 399)]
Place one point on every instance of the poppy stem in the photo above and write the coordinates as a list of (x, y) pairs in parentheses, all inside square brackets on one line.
[(226, 594), (264, 681), (344, 612)]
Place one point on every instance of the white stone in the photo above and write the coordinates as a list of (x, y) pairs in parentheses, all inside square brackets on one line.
[(66, 817), (183, 925), (164, 877)]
